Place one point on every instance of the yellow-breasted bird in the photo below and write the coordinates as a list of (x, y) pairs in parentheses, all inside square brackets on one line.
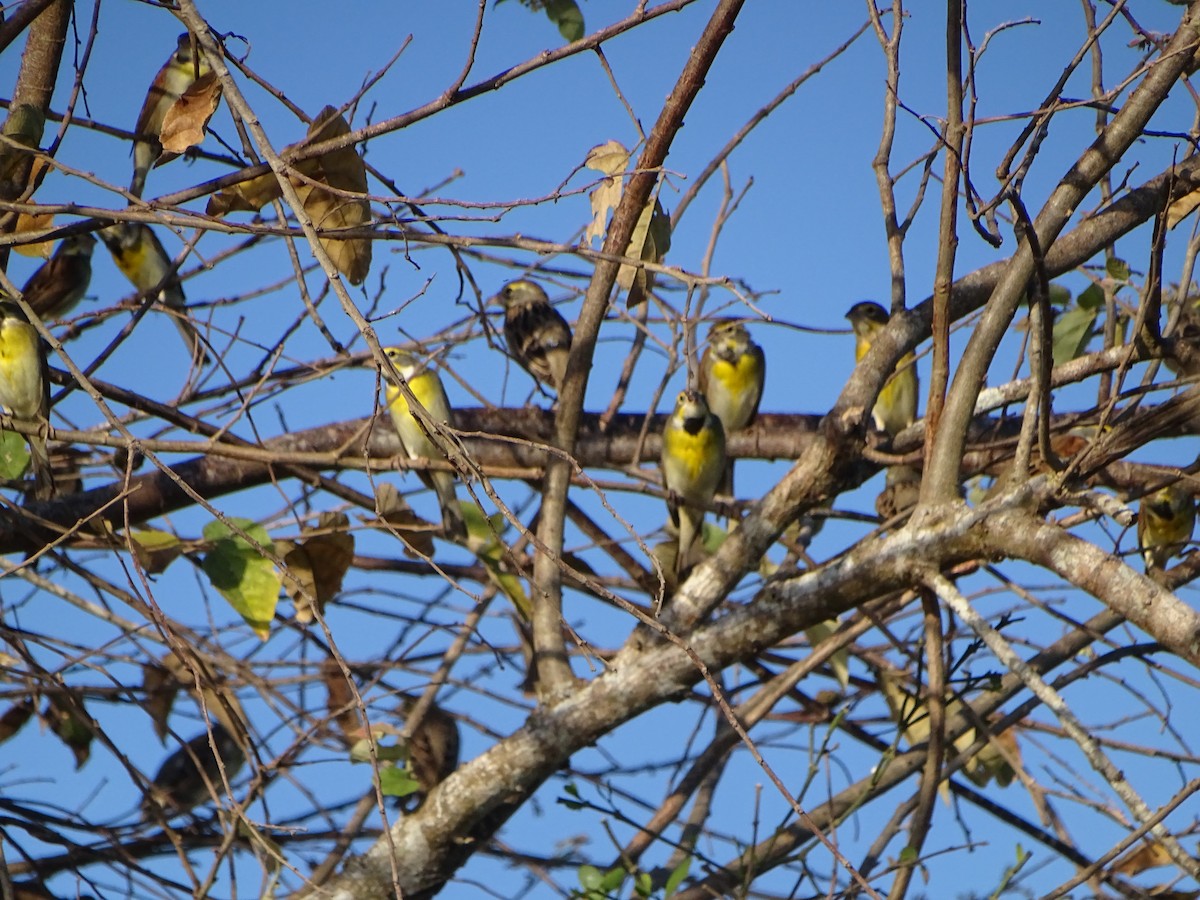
[(142, 259), (896, 407), (732, 372), (1165, 521), (25, 388), (538, 337), (186, 64), (693, 462), (192, 774), (427, 387), (60, 283)]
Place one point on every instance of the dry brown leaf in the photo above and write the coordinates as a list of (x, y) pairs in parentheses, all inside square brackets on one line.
[(155, 550), (14, 718), (397, 515), (341, 705), (610, 159), (1147, 855), (249, 196), (1181, 208), (27, 222), (651, 236), (70, 722), (319, 563), (160, 687), (342, 170), (183, 125)]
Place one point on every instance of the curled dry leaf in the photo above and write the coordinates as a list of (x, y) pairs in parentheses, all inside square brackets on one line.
[(155, 550), (14, 718), (396, 515), (160, 687), (341, 704), (69, 720), (27, 222), (651, 237), (341, 170), (183, 125), (318, 564), (320, 183)]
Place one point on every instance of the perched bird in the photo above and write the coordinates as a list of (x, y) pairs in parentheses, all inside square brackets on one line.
[(1165, 521), (186, 64), (60, 283), (25, 388), (732, 371), (693, 461), (142, 259), (896, 407), (538, 337), (192, 774), (901, 490), (433, 750), (427, 388)]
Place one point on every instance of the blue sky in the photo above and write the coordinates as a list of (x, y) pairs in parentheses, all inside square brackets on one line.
[(807, 236)]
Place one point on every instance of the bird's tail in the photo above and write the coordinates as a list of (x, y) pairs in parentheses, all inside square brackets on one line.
[(191, 337), (691, 523), (453, 524), (725, 488), (39, 461)]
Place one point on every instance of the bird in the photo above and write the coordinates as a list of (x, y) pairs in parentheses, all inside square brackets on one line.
[(433, 750), (538, 337), (693, 462), (140, 256), (896, 407), (1165, 521), (901, 490), (732, 371), (60, 282), (192, 774), (179, 72), (427, 387), (25, 388)]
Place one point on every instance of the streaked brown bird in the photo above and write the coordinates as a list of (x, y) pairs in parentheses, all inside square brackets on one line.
[(538, 337), (192, 774), (173, 79), (62, 281), (432, 751)]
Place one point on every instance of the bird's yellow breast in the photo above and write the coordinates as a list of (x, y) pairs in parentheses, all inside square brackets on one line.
[(692, 454), (423, 387), (738, 376)]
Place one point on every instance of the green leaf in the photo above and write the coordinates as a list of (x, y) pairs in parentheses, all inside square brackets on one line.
[(155, 550), (395, 781), (590, 878), (1117, 269), (1060, 296), (679, 873), (908, 856), (1092, 297), (643, 884), (14, 455), (1072, 332), (247, 580), (613, 880), (567, 16)]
